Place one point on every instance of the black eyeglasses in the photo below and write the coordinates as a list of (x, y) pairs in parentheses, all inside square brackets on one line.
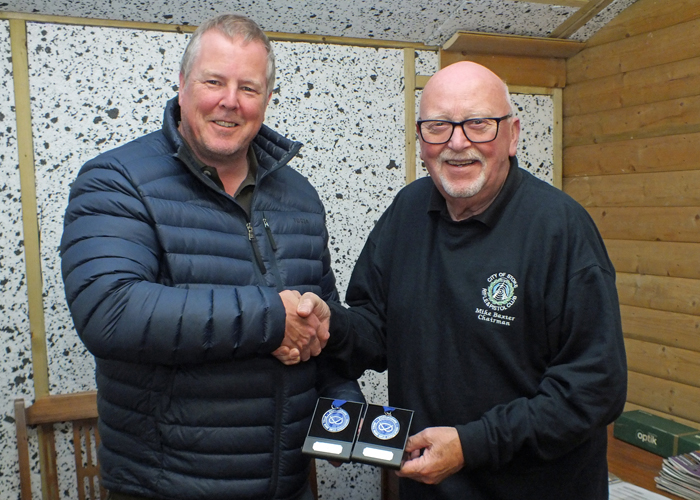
[(476, 130)]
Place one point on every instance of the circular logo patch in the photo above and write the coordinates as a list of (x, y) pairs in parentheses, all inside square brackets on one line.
[(500, 293)]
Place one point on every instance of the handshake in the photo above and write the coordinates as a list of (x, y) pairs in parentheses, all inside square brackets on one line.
[(306, 327)]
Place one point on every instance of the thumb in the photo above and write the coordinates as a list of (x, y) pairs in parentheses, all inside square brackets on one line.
[(416, 442), (307, 304)]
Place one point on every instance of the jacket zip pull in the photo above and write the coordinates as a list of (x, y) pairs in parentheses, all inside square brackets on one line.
[(256, 250), (269, 234)]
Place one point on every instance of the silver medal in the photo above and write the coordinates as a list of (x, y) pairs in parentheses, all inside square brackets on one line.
[(385, 427), (335, 420)]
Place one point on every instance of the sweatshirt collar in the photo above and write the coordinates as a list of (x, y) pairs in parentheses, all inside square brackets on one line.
[(493, 213)]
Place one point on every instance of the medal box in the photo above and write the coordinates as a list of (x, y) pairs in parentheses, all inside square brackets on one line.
[(383, 436), (333, 429)]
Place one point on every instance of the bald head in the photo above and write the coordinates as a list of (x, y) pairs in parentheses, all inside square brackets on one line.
[(466, 98), (467, 80)]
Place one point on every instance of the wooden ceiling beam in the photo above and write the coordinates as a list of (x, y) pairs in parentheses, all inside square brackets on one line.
[(564, 3), (579, 18)]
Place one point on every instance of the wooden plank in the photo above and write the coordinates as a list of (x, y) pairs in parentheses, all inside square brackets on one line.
[(30, 221), (645, 16), (532, 71), (665, 189), (658, 258), (566, 3), (676, 116), (23, 450), (655, 154), (557, 138), (579, 18), (63, 407), (469, 42), (648, 85), (663, 327), (187, 28), (675, 43), (678, 295), (673, 398), (690, 423), (409, 70), (679, 224), (661, 361)]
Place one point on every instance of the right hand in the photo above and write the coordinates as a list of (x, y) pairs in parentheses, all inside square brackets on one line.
[(303, 335)]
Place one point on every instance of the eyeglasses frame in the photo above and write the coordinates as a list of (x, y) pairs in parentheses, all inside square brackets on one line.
[(461, 124)]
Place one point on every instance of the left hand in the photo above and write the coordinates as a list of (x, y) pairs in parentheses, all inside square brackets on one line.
[(434, 453)]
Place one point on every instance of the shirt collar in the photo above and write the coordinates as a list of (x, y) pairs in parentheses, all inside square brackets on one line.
[(493, 212), (187, 156)]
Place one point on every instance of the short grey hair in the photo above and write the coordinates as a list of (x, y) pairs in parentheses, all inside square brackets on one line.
[(231, 25)]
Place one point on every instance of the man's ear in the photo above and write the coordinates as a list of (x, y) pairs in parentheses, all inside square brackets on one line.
[(514, 135)]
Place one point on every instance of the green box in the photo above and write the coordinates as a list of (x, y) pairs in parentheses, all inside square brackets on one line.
[(686, 444), (651, 432)]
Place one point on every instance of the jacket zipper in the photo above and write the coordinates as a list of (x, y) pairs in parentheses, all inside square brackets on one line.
[(269, 234), (256, 250)]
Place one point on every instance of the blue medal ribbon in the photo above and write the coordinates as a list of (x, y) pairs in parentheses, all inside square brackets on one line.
[(337, 403)]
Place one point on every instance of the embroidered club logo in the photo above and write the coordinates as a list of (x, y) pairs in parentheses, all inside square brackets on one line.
[(500, 293)]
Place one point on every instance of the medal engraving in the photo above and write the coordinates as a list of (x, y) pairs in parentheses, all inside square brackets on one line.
[(335, 420), (385, 427)]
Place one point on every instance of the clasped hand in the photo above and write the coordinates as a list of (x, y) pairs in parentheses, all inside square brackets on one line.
[(306, 327)]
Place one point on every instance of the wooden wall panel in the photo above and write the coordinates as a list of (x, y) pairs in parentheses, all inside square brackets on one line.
[(675, 43), (677, 116), (632, 158), (655, 154), (658, 360), (659, 258), (671, 189), (669, 397), (658, 83), (690, 423), (646, 17), (679, 224), (679, 295), (663, 327)]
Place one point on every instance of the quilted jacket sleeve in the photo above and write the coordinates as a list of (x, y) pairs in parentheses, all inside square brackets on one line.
[(110, 266)]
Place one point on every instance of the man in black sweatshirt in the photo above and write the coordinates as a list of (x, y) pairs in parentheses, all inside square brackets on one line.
[(490, 298)]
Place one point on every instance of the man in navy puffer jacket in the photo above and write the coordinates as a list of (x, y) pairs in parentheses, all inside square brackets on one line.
[(181, 253)]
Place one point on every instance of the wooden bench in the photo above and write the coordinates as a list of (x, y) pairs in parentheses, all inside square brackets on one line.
[(79, 409)]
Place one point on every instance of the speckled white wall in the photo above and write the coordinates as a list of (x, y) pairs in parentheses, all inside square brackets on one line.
[(15, 339), (94, 88)]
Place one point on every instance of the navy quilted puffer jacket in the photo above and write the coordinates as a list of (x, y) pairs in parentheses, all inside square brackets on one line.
[(179, 304)]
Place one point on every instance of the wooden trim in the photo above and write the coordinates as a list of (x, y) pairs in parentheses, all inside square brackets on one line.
[(22, 450), (409, 71), (63, 408), (30, 221), (178, 28), (530, 90), (565, 3), (515, 70), (579, 18), (470, 42), (421, 81), (558, 138)]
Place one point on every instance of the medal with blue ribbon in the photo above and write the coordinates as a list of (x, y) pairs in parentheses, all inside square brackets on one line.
[(336, 419), (386, 426)]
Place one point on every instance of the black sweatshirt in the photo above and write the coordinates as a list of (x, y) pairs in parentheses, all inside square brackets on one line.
[(505, 326)]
